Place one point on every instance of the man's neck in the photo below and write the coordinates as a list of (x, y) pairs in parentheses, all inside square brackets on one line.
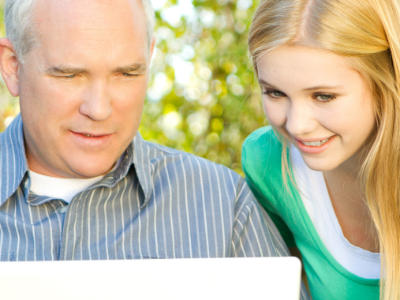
[(62, 188)]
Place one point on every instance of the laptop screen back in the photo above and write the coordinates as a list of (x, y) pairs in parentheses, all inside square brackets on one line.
[(177, 279)]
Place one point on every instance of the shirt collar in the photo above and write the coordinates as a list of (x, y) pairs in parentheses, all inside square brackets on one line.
[(142, 163), (14, 166), (13, 163), (138, 155)]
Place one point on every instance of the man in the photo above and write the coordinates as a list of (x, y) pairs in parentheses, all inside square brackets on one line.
[(77, 179)]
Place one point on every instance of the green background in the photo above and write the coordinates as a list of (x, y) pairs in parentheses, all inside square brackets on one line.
[(202, 96)]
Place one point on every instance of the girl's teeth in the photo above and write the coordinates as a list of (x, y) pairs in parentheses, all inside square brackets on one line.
[(88, 135), (315, 144)]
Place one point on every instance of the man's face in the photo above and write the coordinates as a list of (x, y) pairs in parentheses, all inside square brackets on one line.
[(82, 89)]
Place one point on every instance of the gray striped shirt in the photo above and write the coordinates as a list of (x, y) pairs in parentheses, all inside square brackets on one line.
[(159, 203)]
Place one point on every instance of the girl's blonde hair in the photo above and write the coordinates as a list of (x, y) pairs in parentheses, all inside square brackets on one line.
[(368, 33)]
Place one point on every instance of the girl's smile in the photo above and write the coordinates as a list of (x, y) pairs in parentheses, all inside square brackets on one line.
[(314, 146), (318, 103)]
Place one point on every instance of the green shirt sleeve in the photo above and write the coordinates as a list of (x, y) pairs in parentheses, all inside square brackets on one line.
[(261, 161)]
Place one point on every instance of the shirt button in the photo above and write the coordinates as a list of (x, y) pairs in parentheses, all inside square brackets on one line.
[(64, 209), (26, 183)]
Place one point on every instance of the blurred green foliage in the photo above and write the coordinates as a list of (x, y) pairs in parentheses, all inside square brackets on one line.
[(202, 96)]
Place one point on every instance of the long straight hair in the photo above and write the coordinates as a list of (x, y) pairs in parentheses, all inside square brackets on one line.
[(368, 33)]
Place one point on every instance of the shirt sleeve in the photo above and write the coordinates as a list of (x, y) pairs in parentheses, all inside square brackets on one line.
[(259, 187), (254, 233), (273, 214)]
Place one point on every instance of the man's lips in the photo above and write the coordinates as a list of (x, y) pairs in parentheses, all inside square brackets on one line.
[(90, 141), (93, 135)]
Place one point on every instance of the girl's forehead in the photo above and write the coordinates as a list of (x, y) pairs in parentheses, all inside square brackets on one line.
[(301, 66), (302, 56)]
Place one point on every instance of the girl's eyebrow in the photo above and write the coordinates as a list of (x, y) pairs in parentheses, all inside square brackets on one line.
[(313, 88), (264, 83), (323, 87)]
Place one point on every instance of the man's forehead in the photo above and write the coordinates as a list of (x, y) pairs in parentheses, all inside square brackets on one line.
[(78, 33), (115, 19), (90, 14)]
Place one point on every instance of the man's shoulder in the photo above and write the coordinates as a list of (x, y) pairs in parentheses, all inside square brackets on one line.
[(162, 153), (12, 136), (189, 166), (2, 138), (204, 181), (12, 159)]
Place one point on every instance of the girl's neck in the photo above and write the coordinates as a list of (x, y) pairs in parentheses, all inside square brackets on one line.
[(351, 210)]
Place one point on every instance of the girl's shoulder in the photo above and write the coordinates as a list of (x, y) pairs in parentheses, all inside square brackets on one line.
[(262, 154), (264, 135), (262, 165)]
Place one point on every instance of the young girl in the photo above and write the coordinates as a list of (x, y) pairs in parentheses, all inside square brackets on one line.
[(328, 169)]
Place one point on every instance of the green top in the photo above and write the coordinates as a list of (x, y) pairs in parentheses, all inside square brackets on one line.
[(261, 159)]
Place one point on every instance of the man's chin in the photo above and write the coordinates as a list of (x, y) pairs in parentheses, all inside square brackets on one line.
[(88, 170)]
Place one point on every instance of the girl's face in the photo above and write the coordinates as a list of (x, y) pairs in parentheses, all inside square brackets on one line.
[(318, 103)]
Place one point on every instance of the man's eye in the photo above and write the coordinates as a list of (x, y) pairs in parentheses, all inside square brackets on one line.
[(325, 97), (129, 75), (274, 94), (70, 76)]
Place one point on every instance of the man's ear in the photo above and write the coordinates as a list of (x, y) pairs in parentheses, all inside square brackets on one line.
[(9, 65), (153, 42)]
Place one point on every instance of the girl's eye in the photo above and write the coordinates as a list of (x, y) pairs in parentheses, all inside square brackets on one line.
[(325, 97), (274, 94)]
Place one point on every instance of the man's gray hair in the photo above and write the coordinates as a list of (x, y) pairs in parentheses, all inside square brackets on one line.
[(20, 29)]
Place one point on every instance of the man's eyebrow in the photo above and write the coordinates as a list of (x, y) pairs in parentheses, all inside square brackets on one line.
[(136, 67), (65, 70)]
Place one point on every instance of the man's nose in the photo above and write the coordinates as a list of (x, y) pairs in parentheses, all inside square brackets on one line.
[(300, 119), (97, 102)]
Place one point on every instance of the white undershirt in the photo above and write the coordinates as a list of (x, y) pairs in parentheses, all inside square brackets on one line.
[(316, 200), (62, 188)]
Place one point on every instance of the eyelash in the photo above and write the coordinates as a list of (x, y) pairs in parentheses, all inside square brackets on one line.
[(72, 76), (129, 75), (315, 95), (69, 76)]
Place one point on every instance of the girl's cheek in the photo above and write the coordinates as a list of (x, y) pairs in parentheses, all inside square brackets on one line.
[(275, 112)]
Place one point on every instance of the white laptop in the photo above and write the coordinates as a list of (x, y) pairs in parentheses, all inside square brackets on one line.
[(151, 279)]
